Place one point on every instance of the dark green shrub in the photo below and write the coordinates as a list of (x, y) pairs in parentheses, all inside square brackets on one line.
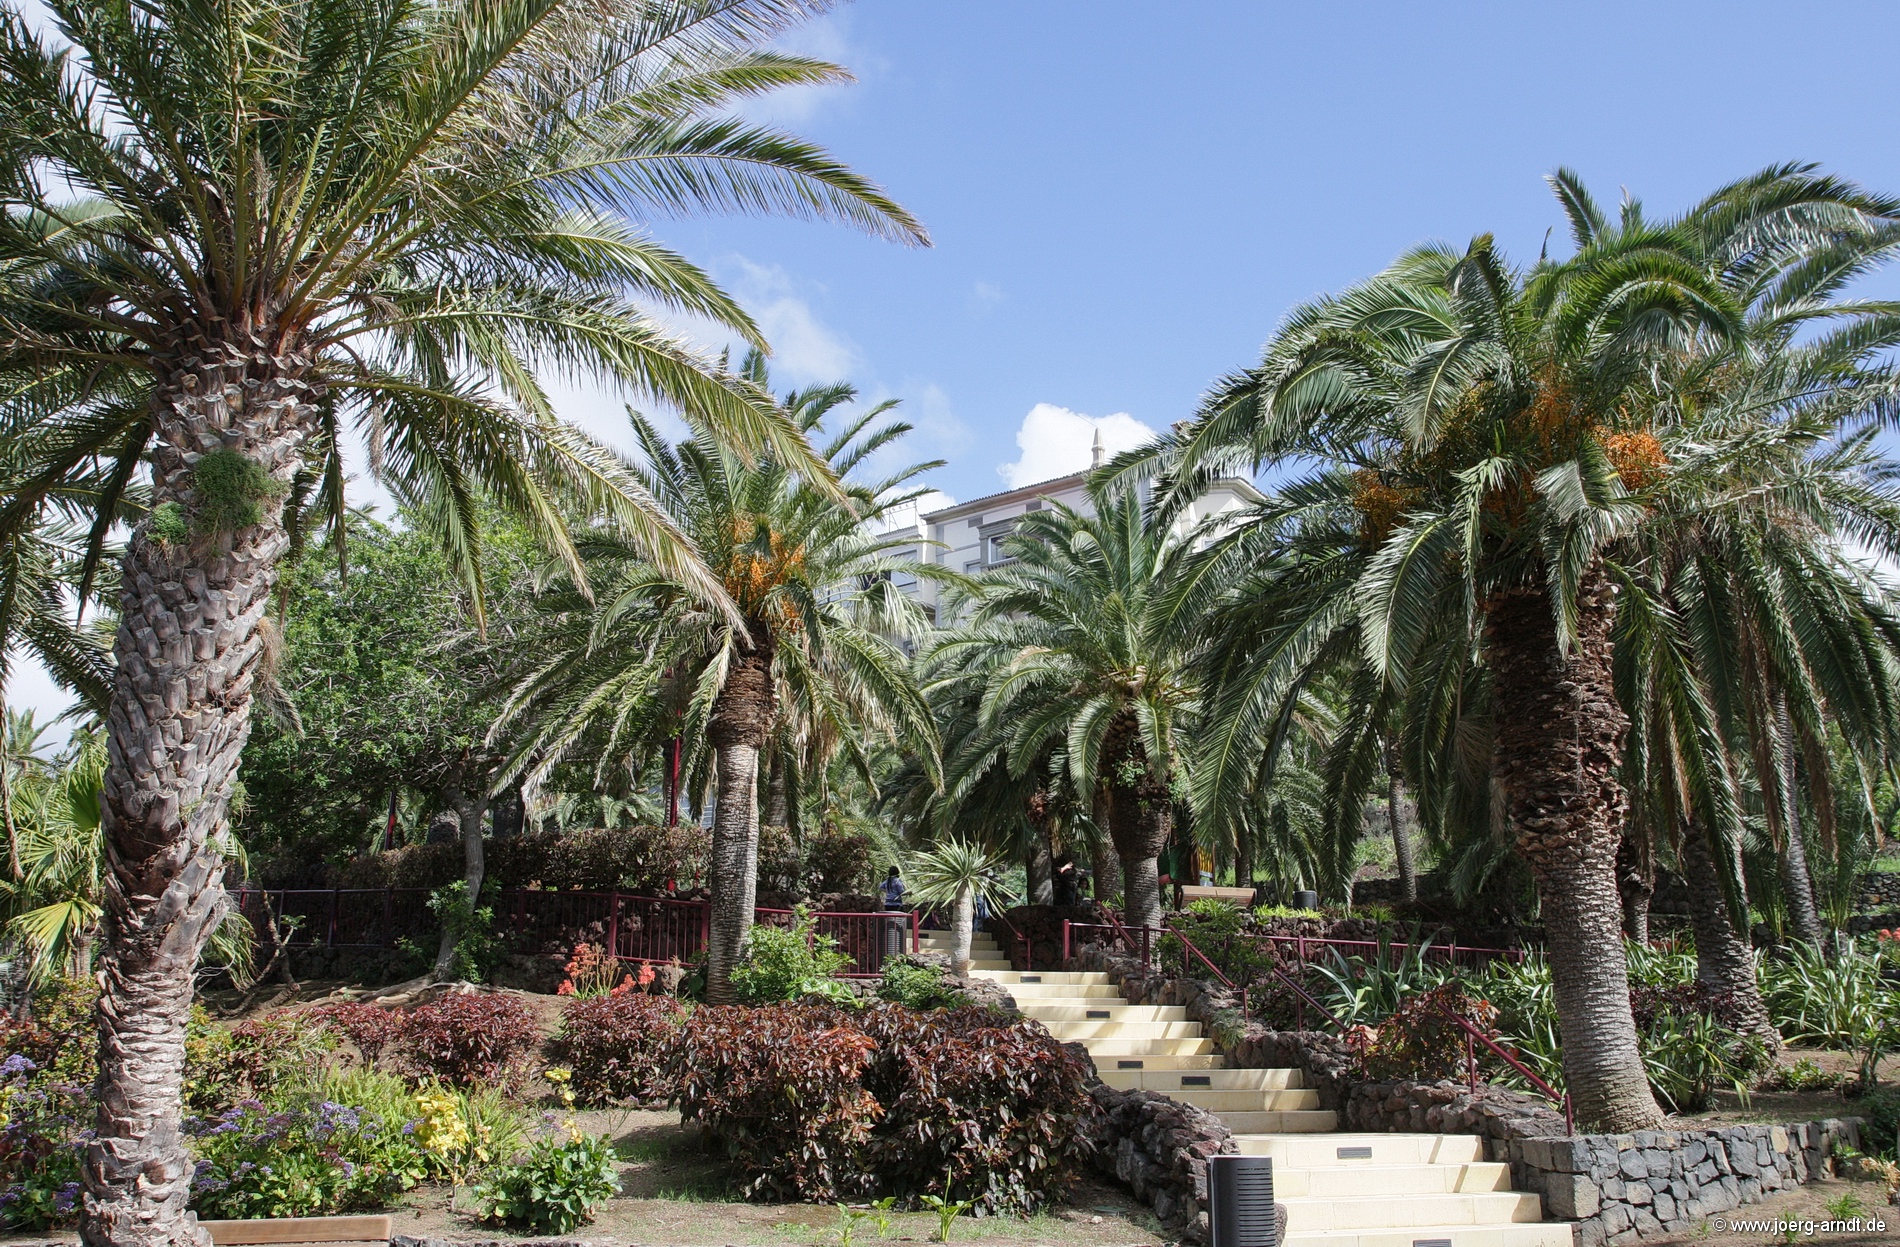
[(554, 1188), (1881, 1108), (616, 1047), (917, 986), (780, 964)]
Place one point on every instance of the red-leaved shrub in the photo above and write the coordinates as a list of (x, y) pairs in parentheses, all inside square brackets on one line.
[(781, 1087), (369, 1028), (1418, 1040), (469, 1040), (616, 1047), (975, 1106), (816, 1103)]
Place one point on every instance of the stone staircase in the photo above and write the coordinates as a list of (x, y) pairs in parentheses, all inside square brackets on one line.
[(1340, 1190)]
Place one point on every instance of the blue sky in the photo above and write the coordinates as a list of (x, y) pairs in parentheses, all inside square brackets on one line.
[(1126, 197)]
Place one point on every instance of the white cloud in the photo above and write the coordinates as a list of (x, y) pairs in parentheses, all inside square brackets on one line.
[(985, 295), (1057, 442), (826, 38)]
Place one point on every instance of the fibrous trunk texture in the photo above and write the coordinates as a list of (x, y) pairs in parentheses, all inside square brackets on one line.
[(1039, 869), (1559, 740), (188, 648), (741, 720), (469, 812), (1723, 960), (1106, 864), (1797, 885), (962, 923), (1636, 882), (1141, 819), (1401, 836)]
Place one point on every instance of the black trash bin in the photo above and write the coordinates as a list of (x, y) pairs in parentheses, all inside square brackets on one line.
[(1240, 1209)]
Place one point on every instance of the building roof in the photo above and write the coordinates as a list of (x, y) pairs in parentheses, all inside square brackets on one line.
[(1022, 493)]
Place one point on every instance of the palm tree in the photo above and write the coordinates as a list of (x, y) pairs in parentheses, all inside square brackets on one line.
[(821, 625), (1087, 640), (956, 872), (287, 218), (1495, 436)]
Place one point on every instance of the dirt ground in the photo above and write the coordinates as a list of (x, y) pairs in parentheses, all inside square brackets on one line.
[(675, 1194), (1807, 1208)]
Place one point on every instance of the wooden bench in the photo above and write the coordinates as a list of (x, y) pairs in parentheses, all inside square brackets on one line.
[(298, 1230), (1190, 893)]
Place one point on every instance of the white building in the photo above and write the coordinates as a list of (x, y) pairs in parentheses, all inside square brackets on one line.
[(968, 537)]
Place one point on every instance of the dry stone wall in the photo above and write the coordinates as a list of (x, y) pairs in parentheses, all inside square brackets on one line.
[(1620, 1188)]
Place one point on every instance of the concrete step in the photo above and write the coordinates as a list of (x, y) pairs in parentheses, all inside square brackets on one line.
[(1510, 1234), (1381, 1212), (1367, 1151), (1111, 1048), (1045, 976), (1046, 1011), (1346, 1180), (945, 940), (1063, 992), (1170, 1081), (1165, 1064), (1111, 1029), (1271, 1100), (1292, 1121)]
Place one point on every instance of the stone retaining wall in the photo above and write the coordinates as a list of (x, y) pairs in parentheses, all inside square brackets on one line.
[(1447, 1107), (1159, 1148), (1619, 1188)]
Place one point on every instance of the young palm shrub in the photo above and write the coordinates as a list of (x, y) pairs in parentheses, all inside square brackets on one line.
[(282, 219), (955, 873)]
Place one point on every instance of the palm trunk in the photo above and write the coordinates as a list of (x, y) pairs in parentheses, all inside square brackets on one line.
[(1724, 964), (1039, 869), (1636, 882), (777, 806), (1141, 817), (1107, 866), (1401, 836), (1243, 854), (741, 722), (1559, 741), (962, 924), (187, 650), (1797, 886), (469, 813)]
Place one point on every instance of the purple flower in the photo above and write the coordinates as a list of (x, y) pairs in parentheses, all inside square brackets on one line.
[(17, 1064), (66, 1197)]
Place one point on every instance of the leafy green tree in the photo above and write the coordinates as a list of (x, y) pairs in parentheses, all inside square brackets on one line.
[(821, 628), (384, 685), (286, 218)]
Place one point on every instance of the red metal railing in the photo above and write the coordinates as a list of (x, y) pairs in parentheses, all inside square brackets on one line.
[(1474, 1036), (1377, 951), (634, 928)]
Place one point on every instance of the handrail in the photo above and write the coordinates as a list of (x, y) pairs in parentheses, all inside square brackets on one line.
[(1206, 961), (1504, 1054), (1308, 998), (1015, 935)]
